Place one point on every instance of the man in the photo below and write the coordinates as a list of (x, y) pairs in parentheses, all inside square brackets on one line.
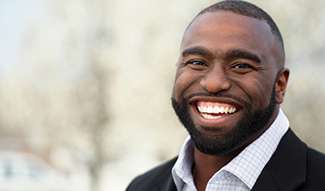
[(230, 82)]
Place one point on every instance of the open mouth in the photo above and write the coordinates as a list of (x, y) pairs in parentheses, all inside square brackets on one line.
[(214, 110)]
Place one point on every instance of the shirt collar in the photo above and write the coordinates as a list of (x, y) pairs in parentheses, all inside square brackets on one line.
[(182, 170), (246, 166)]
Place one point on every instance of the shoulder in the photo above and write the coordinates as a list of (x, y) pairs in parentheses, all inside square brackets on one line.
[(315, 170), (152, 178), (315, 164)]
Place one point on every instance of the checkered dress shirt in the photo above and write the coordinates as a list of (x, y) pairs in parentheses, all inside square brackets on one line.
[(241, 173)]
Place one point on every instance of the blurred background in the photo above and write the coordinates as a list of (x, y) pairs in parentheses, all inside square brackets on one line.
[(85, 87)]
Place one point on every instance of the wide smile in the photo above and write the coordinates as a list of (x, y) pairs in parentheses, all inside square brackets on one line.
[(214, 113), (214, 110)]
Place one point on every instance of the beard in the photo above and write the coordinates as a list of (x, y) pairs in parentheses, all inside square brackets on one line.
[(251, 124)]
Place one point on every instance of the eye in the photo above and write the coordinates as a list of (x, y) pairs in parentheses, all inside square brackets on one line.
[(196, 64), (242, 67)]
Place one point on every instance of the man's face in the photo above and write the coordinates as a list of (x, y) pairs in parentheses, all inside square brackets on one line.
[(228, 81)]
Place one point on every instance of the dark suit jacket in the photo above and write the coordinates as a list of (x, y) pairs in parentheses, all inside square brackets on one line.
[(293, 166)]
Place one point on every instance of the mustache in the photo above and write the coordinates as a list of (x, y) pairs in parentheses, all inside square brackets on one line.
[(217, 95)]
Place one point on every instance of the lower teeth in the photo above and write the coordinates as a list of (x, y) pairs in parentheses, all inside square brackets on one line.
[(208, 116)]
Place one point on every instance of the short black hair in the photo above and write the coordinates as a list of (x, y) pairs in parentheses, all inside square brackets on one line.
[(247, 9)]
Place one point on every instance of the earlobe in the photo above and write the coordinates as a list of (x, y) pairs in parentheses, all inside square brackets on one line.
[(281, 84)]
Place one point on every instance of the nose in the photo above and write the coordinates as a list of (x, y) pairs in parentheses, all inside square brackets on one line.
[(215, 80)]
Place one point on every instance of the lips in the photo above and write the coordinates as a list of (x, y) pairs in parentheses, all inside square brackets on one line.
[(214, 112)]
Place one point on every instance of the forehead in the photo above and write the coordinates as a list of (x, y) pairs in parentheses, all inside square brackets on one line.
[(222, 30)]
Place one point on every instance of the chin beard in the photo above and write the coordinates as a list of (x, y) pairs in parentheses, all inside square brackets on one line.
[(252, 124)]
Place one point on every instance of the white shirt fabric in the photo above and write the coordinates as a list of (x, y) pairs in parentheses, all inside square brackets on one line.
[(241, 173)]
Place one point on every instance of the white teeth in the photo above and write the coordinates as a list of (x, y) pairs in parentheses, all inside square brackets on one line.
[(207, 116), (223, 110), (216, 109), (210, 109)]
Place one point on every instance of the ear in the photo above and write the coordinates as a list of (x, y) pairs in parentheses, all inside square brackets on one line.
[(281, 85)]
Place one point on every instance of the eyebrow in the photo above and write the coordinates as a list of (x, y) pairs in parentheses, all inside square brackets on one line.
[(197, 51), (229, 55), (239, 53)]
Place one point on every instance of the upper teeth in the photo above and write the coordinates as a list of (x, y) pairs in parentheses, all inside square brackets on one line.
[(214, 108)]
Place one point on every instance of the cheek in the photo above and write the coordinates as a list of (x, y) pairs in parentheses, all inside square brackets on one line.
[(255, 89), (184, 80), (259, 92)]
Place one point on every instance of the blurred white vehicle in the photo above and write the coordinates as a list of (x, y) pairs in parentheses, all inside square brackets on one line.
[(26, 172)]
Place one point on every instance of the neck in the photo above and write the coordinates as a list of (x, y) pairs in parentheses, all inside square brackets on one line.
[(205, 166)]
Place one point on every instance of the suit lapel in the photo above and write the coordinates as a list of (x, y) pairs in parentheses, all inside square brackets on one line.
[(169, 185), (286, 169), (165, 180), (265, 182)]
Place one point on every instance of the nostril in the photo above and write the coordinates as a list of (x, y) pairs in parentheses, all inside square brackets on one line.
[(216, 83)]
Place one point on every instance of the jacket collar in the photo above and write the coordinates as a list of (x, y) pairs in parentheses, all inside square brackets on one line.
[(169, 185), (286, 169)]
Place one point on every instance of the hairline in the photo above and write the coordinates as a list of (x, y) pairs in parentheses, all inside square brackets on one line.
[(274, 32)]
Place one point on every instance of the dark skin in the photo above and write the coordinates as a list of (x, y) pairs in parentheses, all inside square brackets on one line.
[(237, 56)]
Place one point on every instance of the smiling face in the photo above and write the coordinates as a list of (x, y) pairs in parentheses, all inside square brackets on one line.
[(229, 80)]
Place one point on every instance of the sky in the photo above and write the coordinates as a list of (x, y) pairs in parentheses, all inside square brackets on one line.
[(15, 17)]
